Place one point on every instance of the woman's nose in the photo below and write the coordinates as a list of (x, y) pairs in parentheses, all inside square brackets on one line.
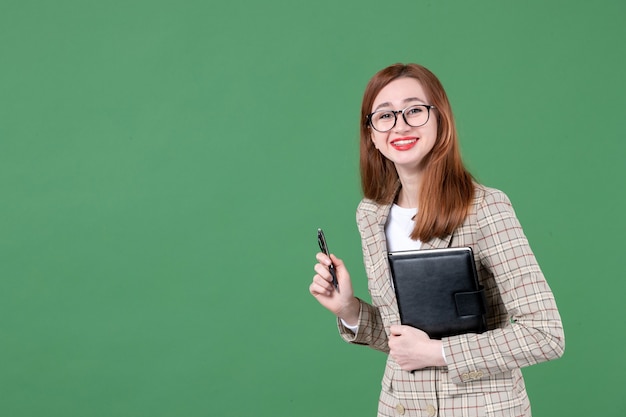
[(401, 124)]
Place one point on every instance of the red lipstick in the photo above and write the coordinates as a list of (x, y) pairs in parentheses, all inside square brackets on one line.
[(404, 144)]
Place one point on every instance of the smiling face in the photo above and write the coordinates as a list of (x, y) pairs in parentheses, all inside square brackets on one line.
[(404, 145)]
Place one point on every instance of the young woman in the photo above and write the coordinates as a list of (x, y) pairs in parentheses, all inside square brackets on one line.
[(418, 195)]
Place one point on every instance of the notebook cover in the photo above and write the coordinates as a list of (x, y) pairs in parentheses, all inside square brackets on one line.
[(437, 291)]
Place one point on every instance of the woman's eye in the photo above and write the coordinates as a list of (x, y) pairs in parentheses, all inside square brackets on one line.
[(384, 116), (414, 110)]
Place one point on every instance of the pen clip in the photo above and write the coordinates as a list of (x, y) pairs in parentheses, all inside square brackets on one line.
[(321, 241)]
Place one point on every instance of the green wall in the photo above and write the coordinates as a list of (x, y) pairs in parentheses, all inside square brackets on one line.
[(164, 166)]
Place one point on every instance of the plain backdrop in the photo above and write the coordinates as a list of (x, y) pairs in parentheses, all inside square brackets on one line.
[(164, 166)]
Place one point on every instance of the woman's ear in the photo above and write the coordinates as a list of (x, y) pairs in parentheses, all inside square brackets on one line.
[(372, 139)]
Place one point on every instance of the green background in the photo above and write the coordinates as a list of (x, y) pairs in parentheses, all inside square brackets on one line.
[(164, 166)]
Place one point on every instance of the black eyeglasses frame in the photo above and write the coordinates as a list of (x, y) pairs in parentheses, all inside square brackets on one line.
[(429, 107)]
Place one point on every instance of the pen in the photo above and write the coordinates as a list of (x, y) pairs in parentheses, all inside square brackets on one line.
[(321, 240)]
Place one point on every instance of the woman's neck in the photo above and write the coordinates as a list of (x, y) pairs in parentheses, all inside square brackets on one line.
[(407, 197)]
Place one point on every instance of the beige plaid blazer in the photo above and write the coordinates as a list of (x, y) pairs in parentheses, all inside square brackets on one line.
[(483, 376)]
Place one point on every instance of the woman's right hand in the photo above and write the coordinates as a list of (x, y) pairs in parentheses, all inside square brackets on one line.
[(342, 302)]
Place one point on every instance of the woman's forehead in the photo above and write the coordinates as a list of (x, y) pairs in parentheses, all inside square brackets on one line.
[(400, 92)]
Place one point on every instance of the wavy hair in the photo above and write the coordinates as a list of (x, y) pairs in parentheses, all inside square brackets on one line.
[(447, 189)]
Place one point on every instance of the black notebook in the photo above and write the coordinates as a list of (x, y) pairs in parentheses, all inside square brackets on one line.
[(438, 291)]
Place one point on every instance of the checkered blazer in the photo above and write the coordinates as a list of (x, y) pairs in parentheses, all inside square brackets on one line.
[(483, 376)]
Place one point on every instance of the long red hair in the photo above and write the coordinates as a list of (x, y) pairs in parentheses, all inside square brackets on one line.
[(447, 188)]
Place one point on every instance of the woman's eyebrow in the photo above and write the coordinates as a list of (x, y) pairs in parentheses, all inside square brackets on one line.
[(406, 100)]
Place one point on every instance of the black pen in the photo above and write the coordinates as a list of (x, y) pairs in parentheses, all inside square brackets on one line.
[(321, 240)]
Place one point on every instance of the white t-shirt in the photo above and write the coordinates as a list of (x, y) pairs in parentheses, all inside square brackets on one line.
[(399, 227)]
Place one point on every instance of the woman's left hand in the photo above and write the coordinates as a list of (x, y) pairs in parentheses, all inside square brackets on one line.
[(412, 349)]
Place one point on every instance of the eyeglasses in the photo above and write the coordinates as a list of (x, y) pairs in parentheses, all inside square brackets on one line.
[(385, 120)]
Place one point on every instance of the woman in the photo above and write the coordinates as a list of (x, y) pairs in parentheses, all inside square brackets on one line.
[(418, 195)]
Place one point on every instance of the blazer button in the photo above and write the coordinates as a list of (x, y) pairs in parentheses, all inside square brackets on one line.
[(400, 409), (431, 410)]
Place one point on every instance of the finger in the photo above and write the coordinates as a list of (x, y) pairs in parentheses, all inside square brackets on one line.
[(395, 330), (323, 259), (336, 261), (322, 271), (322, 282), (316, 290), (340, 267)]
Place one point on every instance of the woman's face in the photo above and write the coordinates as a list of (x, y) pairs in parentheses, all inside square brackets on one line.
[(404, 145)]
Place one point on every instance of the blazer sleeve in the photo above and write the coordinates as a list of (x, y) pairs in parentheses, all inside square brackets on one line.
[(534, 332), (371, 330)]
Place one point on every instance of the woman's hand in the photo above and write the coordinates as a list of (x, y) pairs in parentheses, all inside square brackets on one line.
[(342, 302), (412, 349)]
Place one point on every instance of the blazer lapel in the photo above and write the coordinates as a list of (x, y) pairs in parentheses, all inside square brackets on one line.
[(388, 294)]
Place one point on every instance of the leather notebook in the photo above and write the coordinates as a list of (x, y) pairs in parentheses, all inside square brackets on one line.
[(438, 291)]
